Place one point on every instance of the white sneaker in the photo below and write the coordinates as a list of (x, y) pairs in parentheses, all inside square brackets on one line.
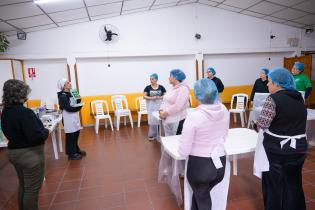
[(151, 138)]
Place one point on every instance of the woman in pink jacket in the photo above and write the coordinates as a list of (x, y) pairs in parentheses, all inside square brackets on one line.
[(202, 140), (173, 109)]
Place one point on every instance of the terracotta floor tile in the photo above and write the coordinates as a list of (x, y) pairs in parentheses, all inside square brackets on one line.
[(133, 185), (91, 204), (70, 185), (92, 192), (63, 206), (112, 201), (45, 200), (145, 205), (136, 197), (66, 196), (159, 192), (249, 204), (120, 173)]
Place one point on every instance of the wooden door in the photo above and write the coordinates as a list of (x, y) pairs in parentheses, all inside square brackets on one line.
[(306, 59)]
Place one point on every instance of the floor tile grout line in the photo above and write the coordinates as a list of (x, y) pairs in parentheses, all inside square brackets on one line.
[(81, 181), (59, 186)]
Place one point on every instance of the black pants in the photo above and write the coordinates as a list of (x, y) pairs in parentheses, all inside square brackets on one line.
[(29, 164), (72, 146), (202, 177), (282, 185), (180, 127)]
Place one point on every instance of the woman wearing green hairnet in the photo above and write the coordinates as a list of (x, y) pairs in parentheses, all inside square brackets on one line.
[(284, 142)]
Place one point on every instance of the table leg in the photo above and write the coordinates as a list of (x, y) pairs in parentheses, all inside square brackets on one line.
[(53, 139), (235, 165), (59, 138)]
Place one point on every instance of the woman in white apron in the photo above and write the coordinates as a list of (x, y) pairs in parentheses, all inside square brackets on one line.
[(70, 107), (173, 109), (202, 142), (153, 94), (283, 119)]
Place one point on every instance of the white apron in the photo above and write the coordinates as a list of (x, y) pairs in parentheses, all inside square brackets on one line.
[(71, 121), (261, 162), (219, 192), (152, 106)]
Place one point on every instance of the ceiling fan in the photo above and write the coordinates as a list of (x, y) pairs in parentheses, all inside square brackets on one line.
[(109, 33)]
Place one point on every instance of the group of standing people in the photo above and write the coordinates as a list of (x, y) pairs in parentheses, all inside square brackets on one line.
[(203, 133)]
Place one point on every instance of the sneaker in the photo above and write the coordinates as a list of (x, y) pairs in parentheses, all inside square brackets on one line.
[(76, 156), (151, 138), (82, 153)]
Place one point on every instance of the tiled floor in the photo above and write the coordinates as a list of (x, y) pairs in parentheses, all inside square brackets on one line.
[(120, 173)]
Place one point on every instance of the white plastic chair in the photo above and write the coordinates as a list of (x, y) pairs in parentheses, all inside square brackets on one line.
[(259, 100), (240, 107), (97, 108), (141, 107), (118, 102), (50, 103)]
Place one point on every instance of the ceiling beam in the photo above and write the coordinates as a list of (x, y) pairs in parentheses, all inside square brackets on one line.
[(87, 11), (47, 15)]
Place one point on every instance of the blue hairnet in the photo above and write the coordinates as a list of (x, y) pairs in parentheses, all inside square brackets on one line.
[(299, 66), (154, 76), (178, 74), (282, 77), (212, 70), (264, 70), (206, 91)]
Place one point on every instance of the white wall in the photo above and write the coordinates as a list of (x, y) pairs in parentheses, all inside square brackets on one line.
[(48, 72), (5, 74), (163, 32), (127, 75), (242, 69), (157, 41)]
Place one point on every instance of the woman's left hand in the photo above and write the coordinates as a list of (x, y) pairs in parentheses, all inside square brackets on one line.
[(163, 114)]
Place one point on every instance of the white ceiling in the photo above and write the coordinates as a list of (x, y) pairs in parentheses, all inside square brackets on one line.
[(25, 16)]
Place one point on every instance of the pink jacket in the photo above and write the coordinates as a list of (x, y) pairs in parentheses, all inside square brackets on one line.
[(175, 102), (204, 129)]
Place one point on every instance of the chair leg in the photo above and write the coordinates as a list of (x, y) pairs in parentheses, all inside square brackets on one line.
[(125, 121), (245, 117), (242, 118), (131, 121), (105, 123), (111, 123), (118, 121), (234, 117), (96, 125), (139, 120)]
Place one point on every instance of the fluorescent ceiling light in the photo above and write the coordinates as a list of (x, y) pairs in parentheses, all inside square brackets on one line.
[(44, 1)]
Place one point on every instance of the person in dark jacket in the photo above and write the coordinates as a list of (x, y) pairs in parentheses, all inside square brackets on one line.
[(211, 75), (70, 107), (283, 119), (26, 138), (260, 85)]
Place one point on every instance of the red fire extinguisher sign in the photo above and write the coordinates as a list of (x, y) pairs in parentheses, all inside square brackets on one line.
[(31, 72)]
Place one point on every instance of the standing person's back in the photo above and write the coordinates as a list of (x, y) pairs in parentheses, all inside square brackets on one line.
[(26, 135), (202, 140)]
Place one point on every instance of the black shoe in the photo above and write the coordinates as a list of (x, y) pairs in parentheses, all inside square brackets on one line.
[(75, 156), (82, 153)]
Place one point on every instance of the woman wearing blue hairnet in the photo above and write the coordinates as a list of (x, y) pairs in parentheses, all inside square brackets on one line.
[(202, 140), (211, 74), (153, 94), (303, 83), (283, 120), (260, 85), (173, 109)]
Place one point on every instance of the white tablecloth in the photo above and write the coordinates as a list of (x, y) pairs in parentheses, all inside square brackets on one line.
[(238, 141)]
